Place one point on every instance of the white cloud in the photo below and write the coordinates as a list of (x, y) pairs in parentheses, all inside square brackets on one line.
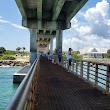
[(98, 19), (90, 28), (17, 26), (12, 24), (4, 21)]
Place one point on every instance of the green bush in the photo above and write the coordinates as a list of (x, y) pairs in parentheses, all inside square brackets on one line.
[(107, 55), (10, 52), (76, 55), (5, 57)]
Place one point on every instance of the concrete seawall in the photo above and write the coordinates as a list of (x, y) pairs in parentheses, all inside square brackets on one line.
[(19, 76)]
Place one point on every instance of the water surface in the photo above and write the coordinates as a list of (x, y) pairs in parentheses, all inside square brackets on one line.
[(7, 88)]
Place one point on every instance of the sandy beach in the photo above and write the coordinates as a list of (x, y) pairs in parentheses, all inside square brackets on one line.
[(23, 58)]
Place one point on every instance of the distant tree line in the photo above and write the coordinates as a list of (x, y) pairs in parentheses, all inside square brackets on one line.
[(108, 54), (10, 54), (75, 54), (19, 48)]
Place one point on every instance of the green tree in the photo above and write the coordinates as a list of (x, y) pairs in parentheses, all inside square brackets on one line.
[(108, 51), (18, 49), (77, 52), (2, 49), (76, 55), (23, 49), (64, 53)]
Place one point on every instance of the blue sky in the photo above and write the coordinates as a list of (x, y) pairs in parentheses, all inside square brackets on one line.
[(90, 27)]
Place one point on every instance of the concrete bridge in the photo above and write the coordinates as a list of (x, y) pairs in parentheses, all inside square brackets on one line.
[(46, 19), (51, 87)]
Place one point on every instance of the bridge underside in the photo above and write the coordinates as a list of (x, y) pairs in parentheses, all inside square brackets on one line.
[(59, 90), (47, 19)]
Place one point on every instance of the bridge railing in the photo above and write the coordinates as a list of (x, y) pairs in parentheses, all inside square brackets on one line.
[(98, 74), (24, 97)]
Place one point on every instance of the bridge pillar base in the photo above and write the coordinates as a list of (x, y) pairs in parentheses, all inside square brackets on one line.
[(33, 45), (59, 40), (33, 56)]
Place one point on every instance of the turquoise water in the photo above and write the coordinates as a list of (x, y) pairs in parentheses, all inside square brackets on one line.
[(7, 88)]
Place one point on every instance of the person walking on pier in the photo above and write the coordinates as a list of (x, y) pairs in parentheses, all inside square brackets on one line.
[(69, 58)]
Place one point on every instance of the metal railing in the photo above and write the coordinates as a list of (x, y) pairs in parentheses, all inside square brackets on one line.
[(98, 74), (24, 97)]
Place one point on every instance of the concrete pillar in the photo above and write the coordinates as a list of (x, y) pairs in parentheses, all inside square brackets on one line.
[(47, 47), (51, 44), (33, 45), (59, 39)]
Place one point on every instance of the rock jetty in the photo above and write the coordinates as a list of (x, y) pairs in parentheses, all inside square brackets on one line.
[(13, 63)]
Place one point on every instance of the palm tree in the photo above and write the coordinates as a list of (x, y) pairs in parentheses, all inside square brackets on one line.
[(23, 50), (18, 49)]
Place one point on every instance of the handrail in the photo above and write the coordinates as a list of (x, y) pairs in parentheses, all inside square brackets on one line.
[(21, 97), (91, 72), (94, 62)]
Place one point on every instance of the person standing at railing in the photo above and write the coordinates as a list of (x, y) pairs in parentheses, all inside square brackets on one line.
[(69, 58)]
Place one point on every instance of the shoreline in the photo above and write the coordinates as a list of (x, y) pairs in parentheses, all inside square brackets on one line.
[(21, 63), (97, 60)]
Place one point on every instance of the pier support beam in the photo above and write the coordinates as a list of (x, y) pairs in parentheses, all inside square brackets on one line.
[(59, 39), (33, 45)]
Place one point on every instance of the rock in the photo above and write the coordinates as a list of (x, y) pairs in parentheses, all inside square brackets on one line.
[(12, 63)]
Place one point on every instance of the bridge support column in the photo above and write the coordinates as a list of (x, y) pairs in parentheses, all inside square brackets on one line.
[(47, 47), (33, 45), (51, 44), (59, 39)]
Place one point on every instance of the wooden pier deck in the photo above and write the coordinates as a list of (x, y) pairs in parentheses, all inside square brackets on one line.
[(59, 90)]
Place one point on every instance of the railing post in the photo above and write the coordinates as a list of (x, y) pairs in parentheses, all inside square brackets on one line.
[(88, 69), (62, 62), (96, 74), (67, 63), (73, 65), (81, 71), (76, 66), (107, 78)]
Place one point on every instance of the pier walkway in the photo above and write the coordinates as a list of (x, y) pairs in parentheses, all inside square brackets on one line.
[(58, 89)]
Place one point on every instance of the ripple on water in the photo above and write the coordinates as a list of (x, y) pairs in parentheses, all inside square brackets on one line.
[(7, 88)]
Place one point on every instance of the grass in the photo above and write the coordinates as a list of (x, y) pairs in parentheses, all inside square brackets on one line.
[(11, 55)]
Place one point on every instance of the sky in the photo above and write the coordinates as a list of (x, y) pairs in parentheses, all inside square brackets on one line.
[(90, 27)]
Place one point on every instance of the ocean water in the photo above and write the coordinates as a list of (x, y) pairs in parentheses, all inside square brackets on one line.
[(7, 88)]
